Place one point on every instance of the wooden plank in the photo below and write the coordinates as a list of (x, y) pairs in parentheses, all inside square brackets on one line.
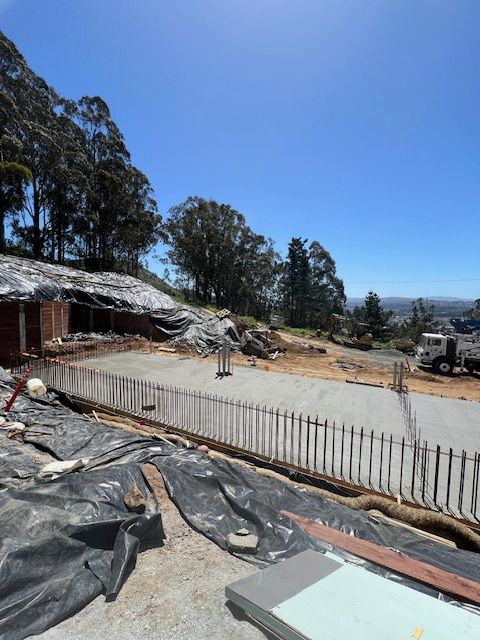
[(450, 583)]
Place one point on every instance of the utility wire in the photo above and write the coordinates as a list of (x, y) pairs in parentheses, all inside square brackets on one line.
[(415, 281)]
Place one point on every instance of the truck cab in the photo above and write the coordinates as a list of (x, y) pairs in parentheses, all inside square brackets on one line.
[(443, 353), (437, 351)]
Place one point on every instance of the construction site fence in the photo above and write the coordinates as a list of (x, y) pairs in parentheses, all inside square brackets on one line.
[(412, 469)]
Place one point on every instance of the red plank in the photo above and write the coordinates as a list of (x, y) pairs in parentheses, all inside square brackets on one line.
[(437, 578)]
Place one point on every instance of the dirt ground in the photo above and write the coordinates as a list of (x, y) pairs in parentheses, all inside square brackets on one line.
[(341, 363)]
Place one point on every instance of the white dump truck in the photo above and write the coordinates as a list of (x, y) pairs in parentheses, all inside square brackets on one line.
[(444, 353)]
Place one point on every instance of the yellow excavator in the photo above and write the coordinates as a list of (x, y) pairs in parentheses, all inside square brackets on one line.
[(359, 334)]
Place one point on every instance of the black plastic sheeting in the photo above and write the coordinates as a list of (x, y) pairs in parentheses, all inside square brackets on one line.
[(24, 279), (65, 541), (212, 333), (204, 333), (217, 497), (174, 322)]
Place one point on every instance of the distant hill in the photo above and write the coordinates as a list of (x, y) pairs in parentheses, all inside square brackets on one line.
[(445, 306)]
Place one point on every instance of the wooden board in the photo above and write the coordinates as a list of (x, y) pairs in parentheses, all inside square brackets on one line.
[(450, 583)]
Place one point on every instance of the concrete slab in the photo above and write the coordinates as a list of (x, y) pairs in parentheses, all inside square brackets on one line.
[(443, 421), (368, 407), (388, 462)]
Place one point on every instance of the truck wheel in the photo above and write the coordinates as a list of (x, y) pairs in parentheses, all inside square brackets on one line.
[(444, 366), (471, 368)]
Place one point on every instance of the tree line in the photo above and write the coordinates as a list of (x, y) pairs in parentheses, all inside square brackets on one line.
[(68, 188), (219, 259)]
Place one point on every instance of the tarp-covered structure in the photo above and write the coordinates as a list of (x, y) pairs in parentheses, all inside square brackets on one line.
[(24, 279), (68, 539)]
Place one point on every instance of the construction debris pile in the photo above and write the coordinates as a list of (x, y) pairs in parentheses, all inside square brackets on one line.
[(76, 508)]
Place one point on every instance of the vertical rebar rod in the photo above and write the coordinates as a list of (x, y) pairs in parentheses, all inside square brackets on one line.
[(370, 461), (360, 455), (402, 455), (307, 460), (381, 463), (437, 466), (449, 475), (299, 452)]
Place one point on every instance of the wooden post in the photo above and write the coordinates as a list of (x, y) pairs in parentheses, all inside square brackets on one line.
[(42, 329), (22, 327), (53, 320)]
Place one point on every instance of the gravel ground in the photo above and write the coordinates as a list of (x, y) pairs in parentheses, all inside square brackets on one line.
[(174, 593)]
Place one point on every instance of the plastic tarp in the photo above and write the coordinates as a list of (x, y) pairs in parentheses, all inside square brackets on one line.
[(207, 336), (67, 540), (174, 322), (217, 497), (24, 279)]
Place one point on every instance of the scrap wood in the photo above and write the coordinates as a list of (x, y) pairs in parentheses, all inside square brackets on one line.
[(441, 580), (366, 384), (416, 517), (165, 349)]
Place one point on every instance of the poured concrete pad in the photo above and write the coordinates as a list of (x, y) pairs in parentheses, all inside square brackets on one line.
[(394, 461), (443, 421), (363, 406)]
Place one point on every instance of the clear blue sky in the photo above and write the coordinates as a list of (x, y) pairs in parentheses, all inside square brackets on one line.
[(356, 123)]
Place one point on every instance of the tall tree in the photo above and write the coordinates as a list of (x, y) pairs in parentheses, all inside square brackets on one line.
[(421, 320), (139, 223), (296, 283), (14, 179), (31, 124), (227, 263), (107, 167), (374, 315), (327, 294)]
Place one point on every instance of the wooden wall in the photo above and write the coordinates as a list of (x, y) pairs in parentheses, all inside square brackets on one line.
[(9, 329), (22, 324), (56, 319)]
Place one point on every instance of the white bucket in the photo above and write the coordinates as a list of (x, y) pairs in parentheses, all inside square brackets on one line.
[(36, 388)]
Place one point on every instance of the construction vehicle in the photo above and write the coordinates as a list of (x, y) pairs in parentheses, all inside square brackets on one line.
[(445, 352), (359, 334)]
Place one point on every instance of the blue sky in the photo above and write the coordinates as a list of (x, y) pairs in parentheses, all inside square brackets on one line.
[(353, 122)]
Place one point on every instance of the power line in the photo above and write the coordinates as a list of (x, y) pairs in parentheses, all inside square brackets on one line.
[(415, 281)]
